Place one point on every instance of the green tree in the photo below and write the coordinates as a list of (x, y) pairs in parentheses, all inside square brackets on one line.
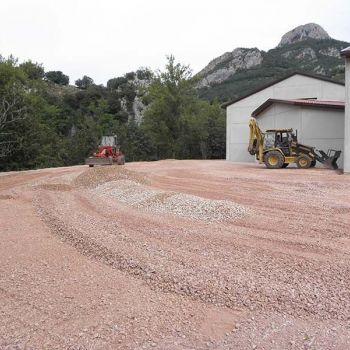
[(172, 95), (179, 124), (84, 82), (34, 71), (115, 83), (28, 131), (57, 77), (203, 131), (216, 131), (136, 144), (130, 76), (144, 74), (13, 109)]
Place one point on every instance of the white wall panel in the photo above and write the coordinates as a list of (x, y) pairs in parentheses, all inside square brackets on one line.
[(239, 134), (322, 123)]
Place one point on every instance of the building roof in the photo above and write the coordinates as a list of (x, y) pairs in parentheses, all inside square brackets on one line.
[(345, 52), (331, 104), (319, 77)]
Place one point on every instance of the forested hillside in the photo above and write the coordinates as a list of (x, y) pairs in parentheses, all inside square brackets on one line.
[(45, 122)]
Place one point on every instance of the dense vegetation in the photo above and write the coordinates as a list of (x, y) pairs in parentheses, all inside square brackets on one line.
[(44, 122), (310, 56)]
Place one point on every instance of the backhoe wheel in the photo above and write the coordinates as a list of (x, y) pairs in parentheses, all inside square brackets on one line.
[(313, 164), (285, 165), (304, 161), (274, 160)]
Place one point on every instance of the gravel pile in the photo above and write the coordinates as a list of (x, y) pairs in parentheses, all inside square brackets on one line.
[(96, 176), (180, 204)]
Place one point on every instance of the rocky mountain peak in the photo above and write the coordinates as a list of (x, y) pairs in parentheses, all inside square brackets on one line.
[(304, 32)]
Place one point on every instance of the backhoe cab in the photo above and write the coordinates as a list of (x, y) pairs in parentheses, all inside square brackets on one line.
[(277, 148)]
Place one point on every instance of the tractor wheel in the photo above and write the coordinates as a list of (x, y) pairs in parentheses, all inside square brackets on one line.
[(313, 164), (274, 160), (304, 161), (285, 165)]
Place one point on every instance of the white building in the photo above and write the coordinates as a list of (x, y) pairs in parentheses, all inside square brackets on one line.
[(295, 86), (346, 54)]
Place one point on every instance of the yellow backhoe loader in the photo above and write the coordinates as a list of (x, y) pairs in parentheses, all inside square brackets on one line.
[(277, 148)]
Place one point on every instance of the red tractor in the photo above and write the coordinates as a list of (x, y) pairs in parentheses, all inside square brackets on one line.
[(107, 153)]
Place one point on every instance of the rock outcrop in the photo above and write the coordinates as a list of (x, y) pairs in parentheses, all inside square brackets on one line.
[(221, 68), (330, 51), (304, 32)]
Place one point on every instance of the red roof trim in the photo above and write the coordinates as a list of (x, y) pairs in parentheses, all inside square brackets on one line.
[(331, 104)]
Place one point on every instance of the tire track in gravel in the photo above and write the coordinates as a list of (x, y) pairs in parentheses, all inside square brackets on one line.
[(201, 282)]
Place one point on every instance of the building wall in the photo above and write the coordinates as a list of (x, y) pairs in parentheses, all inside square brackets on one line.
[(318, 127), (238, 114), (347, 118)]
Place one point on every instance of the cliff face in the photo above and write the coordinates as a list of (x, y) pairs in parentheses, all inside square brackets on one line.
[(221, 68), (306, 48)]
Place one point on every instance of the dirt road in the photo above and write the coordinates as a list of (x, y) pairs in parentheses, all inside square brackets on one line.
[(175, 255)]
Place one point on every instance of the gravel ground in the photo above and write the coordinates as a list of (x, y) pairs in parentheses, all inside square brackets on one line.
[(175, 255)]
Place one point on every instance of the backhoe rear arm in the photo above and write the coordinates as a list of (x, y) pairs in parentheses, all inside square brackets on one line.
[(256, 140)]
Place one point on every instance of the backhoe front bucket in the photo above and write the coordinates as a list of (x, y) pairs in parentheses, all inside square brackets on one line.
[(329, 159)]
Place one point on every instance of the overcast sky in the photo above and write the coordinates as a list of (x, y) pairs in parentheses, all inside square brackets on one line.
[(107, 38)]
